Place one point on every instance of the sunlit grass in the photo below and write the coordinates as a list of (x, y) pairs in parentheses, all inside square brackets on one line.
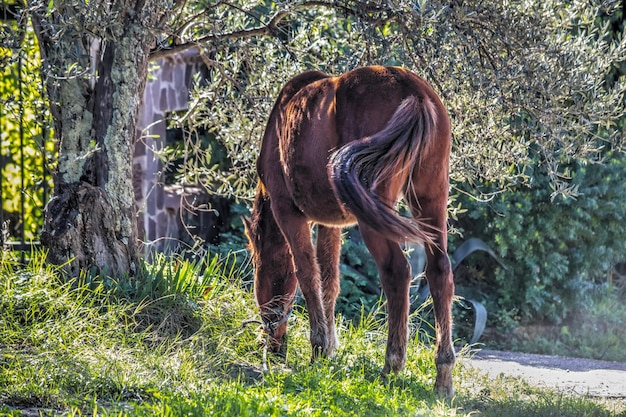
[(182, 339)]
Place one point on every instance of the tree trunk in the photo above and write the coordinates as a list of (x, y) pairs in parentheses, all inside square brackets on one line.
[(95, 85)]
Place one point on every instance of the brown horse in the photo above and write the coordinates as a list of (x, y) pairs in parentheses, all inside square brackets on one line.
[(343, 150)]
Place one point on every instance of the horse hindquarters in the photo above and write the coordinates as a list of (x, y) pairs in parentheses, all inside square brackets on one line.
[(366, 176)]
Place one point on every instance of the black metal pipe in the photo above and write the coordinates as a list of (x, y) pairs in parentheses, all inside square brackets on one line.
[(21, 127)]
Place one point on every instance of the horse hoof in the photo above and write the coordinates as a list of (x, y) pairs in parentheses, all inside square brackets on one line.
[(394, 362), (281, 353), (443, 382), (319, 352), (444, 392), (319, 344)]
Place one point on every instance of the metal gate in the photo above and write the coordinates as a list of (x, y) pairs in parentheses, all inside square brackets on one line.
[(26, 144)]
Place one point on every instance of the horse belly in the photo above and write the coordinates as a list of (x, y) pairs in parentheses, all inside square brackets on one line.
[(316, 199)]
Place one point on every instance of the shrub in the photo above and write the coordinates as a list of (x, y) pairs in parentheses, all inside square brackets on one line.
[(556, 245)]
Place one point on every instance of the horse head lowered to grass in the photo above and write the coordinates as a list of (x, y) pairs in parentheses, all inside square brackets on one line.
[(339, 151)]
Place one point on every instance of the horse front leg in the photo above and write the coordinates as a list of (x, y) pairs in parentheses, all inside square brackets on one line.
[(275, 281), (297, 232), (328, 253)]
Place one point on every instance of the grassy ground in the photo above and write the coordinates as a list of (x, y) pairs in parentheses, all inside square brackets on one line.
[(182, 340)]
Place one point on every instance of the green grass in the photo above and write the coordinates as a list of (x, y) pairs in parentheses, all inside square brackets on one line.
[(181, 340)]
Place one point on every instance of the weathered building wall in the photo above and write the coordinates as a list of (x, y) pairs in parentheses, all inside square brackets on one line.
[(167, 90)]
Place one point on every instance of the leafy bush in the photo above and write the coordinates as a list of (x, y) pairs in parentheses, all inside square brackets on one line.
[(594, 331), (556, 246), (359, 277)]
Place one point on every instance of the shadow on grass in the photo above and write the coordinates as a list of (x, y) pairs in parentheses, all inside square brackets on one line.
[(545, 405), (515, 397)]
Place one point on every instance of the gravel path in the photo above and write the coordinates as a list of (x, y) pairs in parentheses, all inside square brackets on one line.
[(573, 375)]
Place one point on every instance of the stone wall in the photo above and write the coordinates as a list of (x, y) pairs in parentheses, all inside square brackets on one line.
[(159, 208)]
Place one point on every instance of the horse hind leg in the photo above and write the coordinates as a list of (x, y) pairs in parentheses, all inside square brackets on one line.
[(395, 277), (439, 276), (328, 253)]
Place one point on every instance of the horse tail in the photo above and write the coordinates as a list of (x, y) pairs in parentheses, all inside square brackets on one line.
[(360, 170)]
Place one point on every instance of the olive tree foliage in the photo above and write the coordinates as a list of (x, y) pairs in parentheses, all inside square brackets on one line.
[(522, 80), (512, 74)]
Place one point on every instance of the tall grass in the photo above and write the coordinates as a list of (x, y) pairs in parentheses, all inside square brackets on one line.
[(181, 339)]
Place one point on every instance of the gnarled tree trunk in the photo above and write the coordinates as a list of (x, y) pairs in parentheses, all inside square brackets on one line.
[(95, 58)]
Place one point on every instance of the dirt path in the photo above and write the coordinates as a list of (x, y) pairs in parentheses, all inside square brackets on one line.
[(573, 375)]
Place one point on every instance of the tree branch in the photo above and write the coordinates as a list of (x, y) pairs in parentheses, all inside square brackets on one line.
[(271, 27)]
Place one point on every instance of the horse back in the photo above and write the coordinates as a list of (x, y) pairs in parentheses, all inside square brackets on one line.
[(300, 134)]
